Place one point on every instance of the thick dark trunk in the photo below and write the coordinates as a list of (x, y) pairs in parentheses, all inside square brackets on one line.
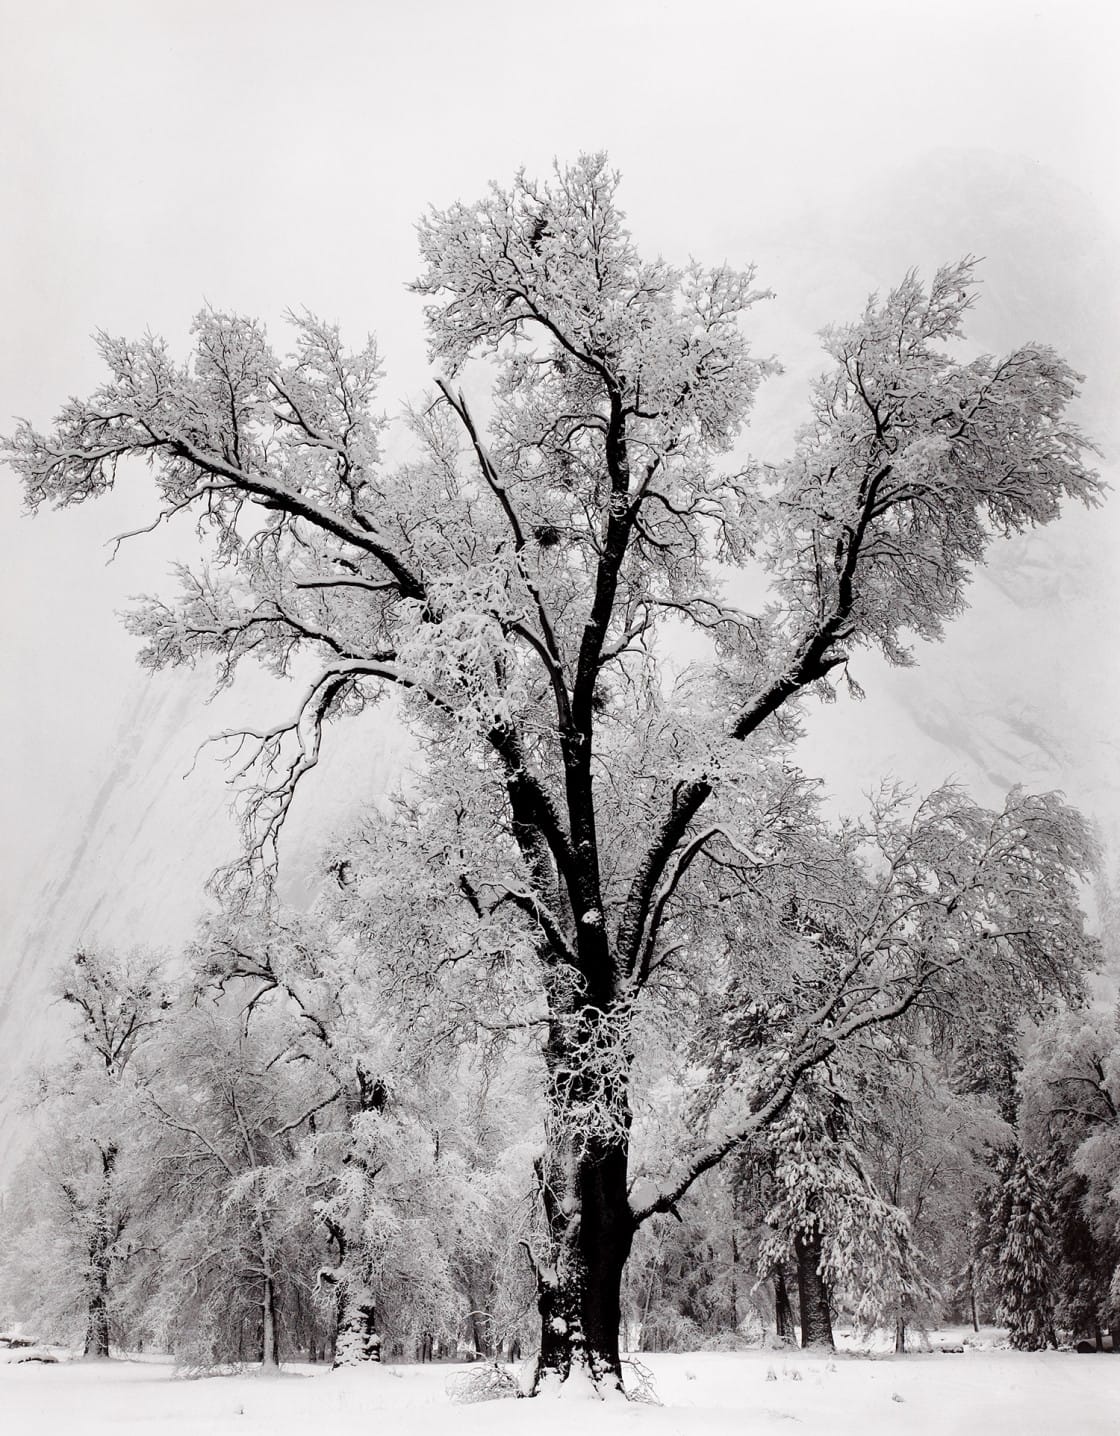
[(899, 1334), (591, 1230), (783, 1310), (816, 1319)]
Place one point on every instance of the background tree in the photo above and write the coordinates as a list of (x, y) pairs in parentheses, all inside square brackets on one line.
[(80, 1188), (1071, 1119), (512, 585), (1021, 1253), (234, 1221), (931, 1149), (422, 1161)]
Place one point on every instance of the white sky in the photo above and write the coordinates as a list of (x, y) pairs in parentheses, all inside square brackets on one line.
[(260, 155)]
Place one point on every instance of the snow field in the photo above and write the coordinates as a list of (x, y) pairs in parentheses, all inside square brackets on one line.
[(757, 1393)]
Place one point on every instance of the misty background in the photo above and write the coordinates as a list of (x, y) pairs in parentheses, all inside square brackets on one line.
[(264, 156)]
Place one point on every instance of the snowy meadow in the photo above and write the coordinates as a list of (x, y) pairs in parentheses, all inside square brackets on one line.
[(760, 1393)]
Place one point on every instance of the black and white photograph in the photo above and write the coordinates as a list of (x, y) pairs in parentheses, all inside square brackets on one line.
[(560, 820)]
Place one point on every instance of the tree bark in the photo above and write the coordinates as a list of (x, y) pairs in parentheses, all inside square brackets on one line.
[(358, 1339), (899, 1334), (270, 1350), (783, 1310), (481, 1325), (816, 1319), (97, 1326), (579, 1292), (100, 1244)]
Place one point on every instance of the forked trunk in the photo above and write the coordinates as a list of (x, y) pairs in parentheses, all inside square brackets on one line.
[(816, 1319)]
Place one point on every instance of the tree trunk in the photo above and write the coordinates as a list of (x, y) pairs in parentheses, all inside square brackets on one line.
[(816, 1319), (733, 1295), (899, 1334), (355, 1336), (582, 1177), (100, 1256), (480, 1322), (270, 1350), (357, 1340), (579, 1293), (481, 1341), (783, 1311), (97, 1325)]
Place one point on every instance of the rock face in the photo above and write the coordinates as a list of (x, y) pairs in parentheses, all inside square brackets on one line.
[(106, 840), (1026, 684), (129, 858)]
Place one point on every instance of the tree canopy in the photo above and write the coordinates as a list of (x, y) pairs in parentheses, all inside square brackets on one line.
[(587, 814)]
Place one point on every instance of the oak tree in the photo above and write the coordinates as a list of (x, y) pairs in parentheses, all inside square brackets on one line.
[(512, 580)]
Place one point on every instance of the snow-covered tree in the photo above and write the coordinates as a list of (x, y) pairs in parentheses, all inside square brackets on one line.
[(1021, 1252), (510, 582), (1071, 1117), (422, 1164), (75, 1200), (233, 1222), (849, 1240)]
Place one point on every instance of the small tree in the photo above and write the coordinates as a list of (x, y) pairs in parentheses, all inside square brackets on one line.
[(414, 1178), (1071, 1115), (232, 1217), (80, 1187), (849, 1241), (511, 586)]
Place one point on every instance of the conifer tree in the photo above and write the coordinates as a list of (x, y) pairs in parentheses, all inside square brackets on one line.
[(1024, 1256)]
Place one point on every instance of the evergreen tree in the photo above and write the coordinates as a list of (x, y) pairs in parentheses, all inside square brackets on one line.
[(1024, 1255)]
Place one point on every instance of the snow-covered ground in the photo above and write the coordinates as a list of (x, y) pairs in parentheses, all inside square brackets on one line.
[(756, 1393)]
